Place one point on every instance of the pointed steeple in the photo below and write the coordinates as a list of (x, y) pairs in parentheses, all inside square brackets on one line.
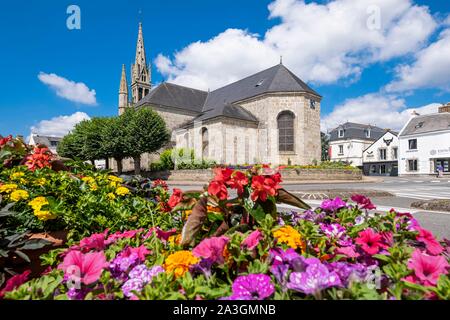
[(140, 72), (123, 82), (123, 92)]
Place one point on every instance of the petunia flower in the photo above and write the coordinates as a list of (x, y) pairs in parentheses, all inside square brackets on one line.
[(333, 205), (433, 246), (14, 282), (252, 240), (333, 230), (427, 269), (212, 249), (363, 201), (252, 287), (84, 267), (370, 241)]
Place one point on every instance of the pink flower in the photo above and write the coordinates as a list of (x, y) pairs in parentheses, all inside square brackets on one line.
[(14, 282), (363, 202), (122, 235), (87, 267), (160, 234), (370, 241), (141, 252), (95, 241), (427, 269), (251, 242), (433, 246), (212, 249), (348, 251)]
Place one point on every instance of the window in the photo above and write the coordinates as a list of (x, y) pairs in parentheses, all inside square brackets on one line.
[(367, 133), (205, 143), (395, 153), (341, 133), (259, 83), (373, 169), (412, 165), (382, 153), (382, 169), (312, 104), (286, 131), (53, 143), (412, 143), (419, 125), (341, 149)]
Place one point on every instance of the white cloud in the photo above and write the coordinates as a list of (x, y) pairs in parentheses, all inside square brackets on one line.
[(59, 126), (429, 70), (385, 111), (321, 43), (68, 89)]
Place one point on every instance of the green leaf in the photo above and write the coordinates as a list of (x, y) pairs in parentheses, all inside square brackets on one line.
[(258, 212), (34, 244), (22, 255)]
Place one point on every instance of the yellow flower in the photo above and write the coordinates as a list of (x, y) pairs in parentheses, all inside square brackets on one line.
[(94, 187), (44, 215), (115, 179), (38, 203), (18, 195), (40, 182), (290, 236), (17, 176), (111, 196), (88, 180), (121, 191), (173, 240), (179, 262), (187, 213), (8, 188)]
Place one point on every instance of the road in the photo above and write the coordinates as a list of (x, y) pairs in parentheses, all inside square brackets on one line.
[(405, 190)]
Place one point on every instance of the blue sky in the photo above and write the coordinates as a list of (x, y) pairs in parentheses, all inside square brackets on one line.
[(364, 76)]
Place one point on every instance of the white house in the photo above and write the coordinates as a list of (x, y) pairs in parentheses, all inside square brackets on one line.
[(424, 144), (49, 141), (381, 157), (349, 140)]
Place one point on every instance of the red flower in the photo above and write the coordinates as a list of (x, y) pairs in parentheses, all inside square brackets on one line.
[(265, 186), (433, 246), (160, 183), (223, 175), (238, 181), (363, 201), (40, 158), (175, 198), (370, 241), (218, 189), (4, 141), (14, 282)]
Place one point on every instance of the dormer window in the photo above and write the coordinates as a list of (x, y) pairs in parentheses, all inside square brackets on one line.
[(259, 83), (367, 133), (341, 133), (312, 104), (419, 125)]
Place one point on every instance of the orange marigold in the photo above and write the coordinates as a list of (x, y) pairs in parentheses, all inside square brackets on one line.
[(290, 236), (179, 262)]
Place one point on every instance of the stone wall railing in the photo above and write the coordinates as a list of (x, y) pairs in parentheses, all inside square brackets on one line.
[(288, 175)]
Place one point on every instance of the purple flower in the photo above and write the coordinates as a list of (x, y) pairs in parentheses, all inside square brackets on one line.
[(308, 215), (316, 278), (77, 294), (333, 205), (252, 287), (334, 230), (348, 271), (120, 265), (144, 273), (203, 267), (359, 220), (132, 285)]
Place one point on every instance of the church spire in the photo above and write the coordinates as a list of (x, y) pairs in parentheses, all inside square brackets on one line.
[(140, 71), (123, 91)]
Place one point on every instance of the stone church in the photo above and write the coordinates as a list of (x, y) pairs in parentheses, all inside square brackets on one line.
[(268, 117)]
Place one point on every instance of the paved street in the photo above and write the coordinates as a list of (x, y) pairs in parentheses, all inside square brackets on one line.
[(405, 191)]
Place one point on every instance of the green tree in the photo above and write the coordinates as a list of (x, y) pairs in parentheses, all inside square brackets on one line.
[(325, 139), (115, 143), (70, 146), (146, 132)]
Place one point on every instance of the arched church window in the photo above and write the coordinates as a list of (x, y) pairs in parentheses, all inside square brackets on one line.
[(285, 122), (186, 140), (205, 143)]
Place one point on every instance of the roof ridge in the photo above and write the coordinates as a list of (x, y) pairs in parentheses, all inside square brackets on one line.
[(178, 85)]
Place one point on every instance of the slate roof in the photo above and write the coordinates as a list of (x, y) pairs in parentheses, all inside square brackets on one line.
[(356, 131), (173, 95), (225, 101), (427, 123), (45, 140)]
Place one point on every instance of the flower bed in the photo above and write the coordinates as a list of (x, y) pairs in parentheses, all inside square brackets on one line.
[(138, 241)]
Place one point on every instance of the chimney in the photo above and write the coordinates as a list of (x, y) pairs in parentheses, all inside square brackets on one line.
[(444, 108), (414, 113)]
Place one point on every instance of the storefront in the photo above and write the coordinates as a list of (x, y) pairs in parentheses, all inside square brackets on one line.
[(381, 168), (444, 162)]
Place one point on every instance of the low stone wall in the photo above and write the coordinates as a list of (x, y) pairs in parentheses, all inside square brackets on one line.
[(288, 175)]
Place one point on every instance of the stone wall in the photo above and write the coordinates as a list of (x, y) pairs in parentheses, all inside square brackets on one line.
[(288, 175)]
